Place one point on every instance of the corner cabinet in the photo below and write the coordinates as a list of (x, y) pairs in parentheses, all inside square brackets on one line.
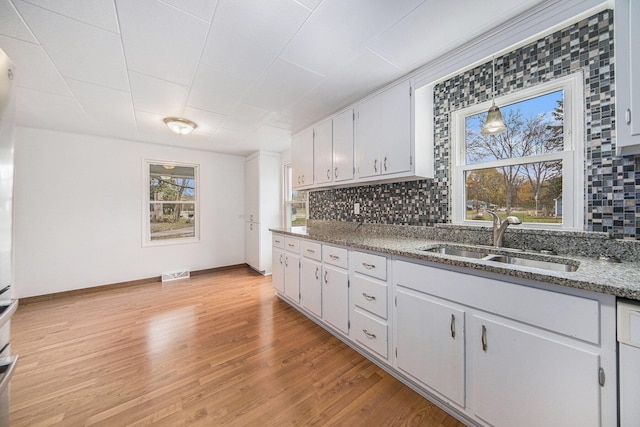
[(627, 63)]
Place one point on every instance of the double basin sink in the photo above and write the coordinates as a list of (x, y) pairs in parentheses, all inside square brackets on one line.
[(523, 259)]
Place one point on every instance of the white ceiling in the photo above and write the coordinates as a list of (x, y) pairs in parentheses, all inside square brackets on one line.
[(248, 72)]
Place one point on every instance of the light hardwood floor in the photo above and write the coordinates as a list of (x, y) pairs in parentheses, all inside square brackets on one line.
[(217, 349)]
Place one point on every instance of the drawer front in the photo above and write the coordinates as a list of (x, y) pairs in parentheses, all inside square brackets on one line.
[(370, 332), (371, 265), (311, 250), (292, 245), (369, 295), (335, 256), (277, 240)]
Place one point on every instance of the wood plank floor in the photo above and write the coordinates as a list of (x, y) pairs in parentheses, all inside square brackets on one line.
[(217, 349)]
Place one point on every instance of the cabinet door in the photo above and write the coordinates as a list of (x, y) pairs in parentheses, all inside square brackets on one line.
[(335, 297), (525, 377), (302, 158), (252, 244), (277, 275), (311, 286), (395, 129), (323, 153), (343, 146), (292, 276), (627, 25), (368, 137), (252, 189), (430, 342)]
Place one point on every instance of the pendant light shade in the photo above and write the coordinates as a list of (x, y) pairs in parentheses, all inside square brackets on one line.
[(494, 125), (180, 126)]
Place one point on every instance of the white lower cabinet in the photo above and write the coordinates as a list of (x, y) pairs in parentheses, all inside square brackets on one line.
[(335, 297), (277, 266), (430, 339), (292, 269), (521, 376), (311, 277)]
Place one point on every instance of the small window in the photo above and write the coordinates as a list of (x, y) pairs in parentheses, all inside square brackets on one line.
[(171, 213), (531, 171), (295, 202)]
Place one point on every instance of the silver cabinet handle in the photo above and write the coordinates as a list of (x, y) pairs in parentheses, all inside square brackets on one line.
[(368, 266), (251, 227), (281, 259), (299, 180), (335, 172), (303, 179), (311, 251), (453, 326), (334, 257), (251, 217), (277, 241), (291, 245), (368, 297), (384, 164), (627, 116), (369, 334), (484, 338), (325, 277), (317, 273), (286, 259), (328, 173), (375, 165)]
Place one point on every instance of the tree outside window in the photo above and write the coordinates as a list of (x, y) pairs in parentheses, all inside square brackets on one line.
[(172, 202)]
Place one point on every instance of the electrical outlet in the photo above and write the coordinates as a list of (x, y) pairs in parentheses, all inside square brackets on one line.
[(356, 208)]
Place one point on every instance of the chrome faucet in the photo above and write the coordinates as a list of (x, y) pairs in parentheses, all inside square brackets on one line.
[(499, 226)]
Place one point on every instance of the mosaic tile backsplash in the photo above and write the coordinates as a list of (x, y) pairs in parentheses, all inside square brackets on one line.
[(612, 199)]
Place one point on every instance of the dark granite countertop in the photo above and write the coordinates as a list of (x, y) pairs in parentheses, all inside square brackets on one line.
[(612, 269)]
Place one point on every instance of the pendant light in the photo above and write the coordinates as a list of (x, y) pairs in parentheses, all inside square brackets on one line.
[(494, 125), (180, 126)]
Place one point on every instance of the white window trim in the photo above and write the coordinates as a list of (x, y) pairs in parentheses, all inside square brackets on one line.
[(146, 199), (572, 156)]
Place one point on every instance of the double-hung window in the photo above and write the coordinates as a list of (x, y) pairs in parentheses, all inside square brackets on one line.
[(171, 208), (534, 170)]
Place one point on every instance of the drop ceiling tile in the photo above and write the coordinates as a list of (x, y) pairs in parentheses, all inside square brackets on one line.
[(357, 79), (157, 96), (311, 4), (247, 36), (34, 69), (283, 84), (305, 113), (331, 36), (270, 138), (411, 43), (80, 51), (160, 40), (216, 91), (201, 8), (108, 107), (101, 13), (208, 123), (47, 111), (246, 118), (11, 23)]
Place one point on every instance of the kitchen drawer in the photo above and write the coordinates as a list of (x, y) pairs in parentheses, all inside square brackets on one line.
[(371, 265), (311, 250), (369, 295), (277, 240), (335, 256), (370, 332), (292, 245)]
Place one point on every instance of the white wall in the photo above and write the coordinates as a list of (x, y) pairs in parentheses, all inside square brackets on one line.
[(78, 212)]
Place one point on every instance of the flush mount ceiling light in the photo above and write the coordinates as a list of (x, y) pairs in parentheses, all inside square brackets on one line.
[(169, 167), (180, 126), (494, 125)]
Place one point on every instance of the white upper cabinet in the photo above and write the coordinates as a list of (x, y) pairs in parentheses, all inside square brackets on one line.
[(323, 152), (627, 43), (383, 136), (343, 169), (302, 159)]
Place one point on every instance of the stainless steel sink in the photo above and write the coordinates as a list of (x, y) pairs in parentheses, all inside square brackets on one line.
[(486, 254), (455, 251), (534, 263)]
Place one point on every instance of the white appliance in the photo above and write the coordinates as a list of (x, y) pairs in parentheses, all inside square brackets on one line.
[(7, 305), (629, 362)]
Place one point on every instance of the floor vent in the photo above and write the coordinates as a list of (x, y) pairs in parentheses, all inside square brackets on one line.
[(175, 275)]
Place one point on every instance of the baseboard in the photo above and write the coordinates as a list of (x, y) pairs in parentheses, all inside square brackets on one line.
[(119, 285)]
